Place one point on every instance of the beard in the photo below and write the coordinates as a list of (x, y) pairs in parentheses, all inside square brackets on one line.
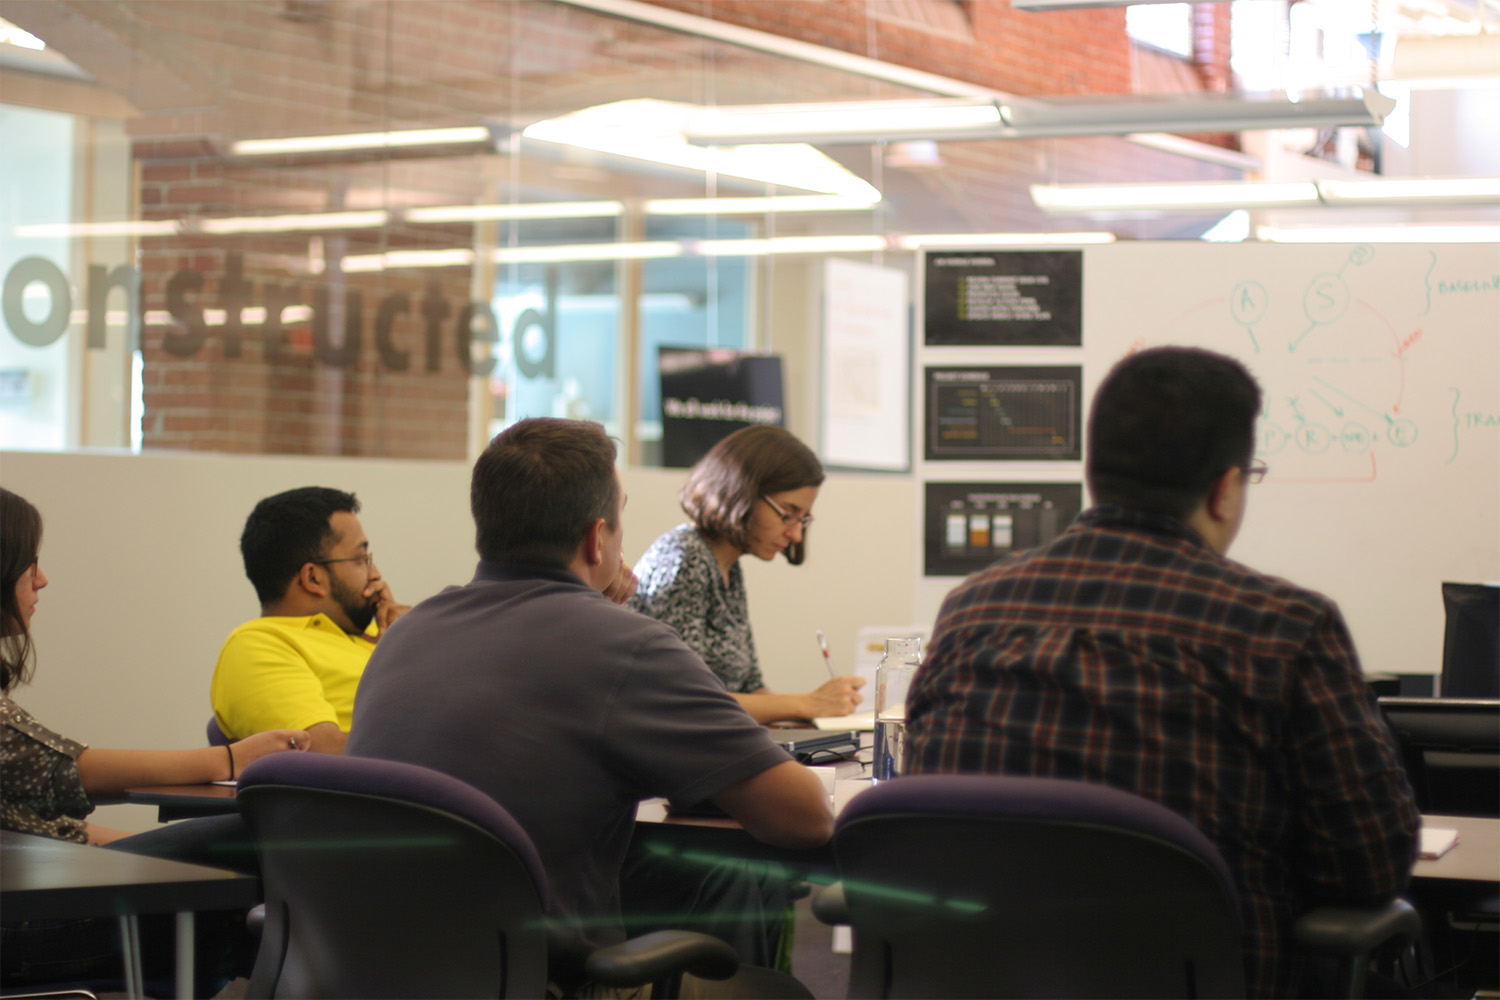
[(360, 609)]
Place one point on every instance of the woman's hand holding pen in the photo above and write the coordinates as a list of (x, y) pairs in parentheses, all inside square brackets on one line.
[(839, 696)]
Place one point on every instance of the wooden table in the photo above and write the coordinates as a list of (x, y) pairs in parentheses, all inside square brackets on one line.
[(54, 879)]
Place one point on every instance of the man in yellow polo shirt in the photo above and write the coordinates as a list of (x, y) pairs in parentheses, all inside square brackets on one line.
[(323, 606)]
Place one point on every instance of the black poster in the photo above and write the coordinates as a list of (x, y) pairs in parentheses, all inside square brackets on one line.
[(970, 525), (708, 395), (994, 298), (1020, 413)]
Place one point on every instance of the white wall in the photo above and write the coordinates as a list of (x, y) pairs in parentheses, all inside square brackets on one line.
[(142, 554)]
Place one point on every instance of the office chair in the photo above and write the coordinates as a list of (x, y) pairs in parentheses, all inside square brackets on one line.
[(385, 879), (985, 886), (216, 735)]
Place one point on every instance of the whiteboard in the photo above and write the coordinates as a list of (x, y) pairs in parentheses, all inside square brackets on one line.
[(1380, 367), (865, 356)]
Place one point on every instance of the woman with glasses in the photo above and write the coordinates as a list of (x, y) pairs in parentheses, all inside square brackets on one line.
[(752, 494)]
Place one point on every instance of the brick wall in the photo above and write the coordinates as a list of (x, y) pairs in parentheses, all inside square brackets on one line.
[(204, 74)]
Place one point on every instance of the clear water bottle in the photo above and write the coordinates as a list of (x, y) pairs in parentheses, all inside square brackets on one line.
[(892, 680)]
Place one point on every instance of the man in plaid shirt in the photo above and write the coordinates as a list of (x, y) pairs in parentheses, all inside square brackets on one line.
[(1130, 652)]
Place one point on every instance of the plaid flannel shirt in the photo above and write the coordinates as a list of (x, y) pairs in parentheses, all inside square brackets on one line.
[(1128, 653)]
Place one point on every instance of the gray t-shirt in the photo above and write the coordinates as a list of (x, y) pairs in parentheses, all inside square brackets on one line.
[(565, 708)]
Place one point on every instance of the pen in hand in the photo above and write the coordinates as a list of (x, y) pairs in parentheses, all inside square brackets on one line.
[(827, 660)]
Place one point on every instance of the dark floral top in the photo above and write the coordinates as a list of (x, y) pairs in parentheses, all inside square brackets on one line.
[(40, 790), (682, 585)]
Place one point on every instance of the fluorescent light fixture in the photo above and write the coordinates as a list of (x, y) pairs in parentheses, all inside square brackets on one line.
[(136, 227), (371, 219), (1213, 196), (841, 121), (1415, 233), (352, 141), (789, 244), (1032, 118), (586, 251), (533, 210), (967, 240), (1400, 191), (652, 130), (757, 206), (394, 259), (1076, 199)]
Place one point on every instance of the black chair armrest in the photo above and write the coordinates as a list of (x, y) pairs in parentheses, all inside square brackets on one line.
[(1356, 930), (1351, 933), (829, 904), (659, 955)]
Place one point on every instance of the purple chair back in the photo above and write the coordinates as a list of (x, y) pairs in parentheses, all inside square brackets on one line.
[(385, 879), (992, 886), (216, 735)]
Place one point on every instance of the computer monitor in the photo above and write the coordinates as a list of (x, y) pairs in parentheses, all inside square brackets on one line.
[(1471, 640), (1451, 750)]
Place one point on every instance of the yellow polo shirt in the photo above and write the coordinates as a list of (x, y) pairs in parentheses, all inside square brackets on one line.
[(287, 673)]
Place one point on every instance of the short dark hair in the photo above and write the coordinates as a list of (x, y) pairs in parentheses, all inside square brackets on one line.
[(20, 542), (285, 532), (723, 488), (539, 486), (1165, 424)]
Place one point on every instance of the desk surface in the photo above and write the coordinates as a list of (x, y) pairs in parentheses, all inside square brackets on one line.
[(46, 879), (1476, 856)]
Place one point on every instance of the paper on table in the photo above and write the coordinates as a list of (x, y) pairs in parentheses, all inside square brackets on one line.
[(1436, 841), (863, 721)]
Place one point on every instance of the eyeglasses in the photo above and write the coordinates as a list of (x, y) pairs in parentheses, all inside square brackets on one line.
[(368, 559), (1255, 472), (805, 520)]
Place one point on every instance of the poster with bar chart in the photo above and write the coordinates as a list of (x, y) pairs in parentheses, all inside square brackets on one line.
[(970, 525), (1000, 412)]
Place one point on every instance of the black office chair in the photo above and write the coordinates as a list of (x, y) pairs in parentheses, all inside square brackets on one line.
[(391, 880), (980, 886)]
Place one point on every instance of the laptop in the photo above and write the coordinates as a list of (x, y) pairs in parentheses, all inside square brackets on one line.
[(816, 746)]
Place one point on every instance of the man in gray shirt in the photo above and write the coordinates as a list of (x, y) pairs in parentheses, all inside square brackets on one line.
[(531, 685)]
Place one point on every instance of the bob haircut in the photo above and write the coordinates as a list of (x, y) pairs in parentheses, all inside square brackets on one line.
[(20, 542), (723, 488)]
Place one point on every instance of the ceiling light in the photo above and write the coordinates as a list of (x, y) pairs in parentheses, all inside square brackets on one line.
[(295, 223), (1032, 118), (841, 121), (1401, 190), (133, 227), (652, 130), (1381, 234), (966, 240), (789, 244), (756, 206), (586, 251), (1077, 199), (398, 259), (1214, 196), (364, 140), (535, 210)]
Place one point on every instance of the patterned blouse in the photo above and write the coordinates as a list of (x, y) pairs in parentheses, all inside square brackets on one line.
[(682, 586), (40, 789)]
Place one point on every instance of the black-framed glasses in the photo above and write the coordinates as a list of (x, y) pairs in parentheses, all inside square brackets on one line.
[(368, 559), (1255, 472), (805, 520)]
